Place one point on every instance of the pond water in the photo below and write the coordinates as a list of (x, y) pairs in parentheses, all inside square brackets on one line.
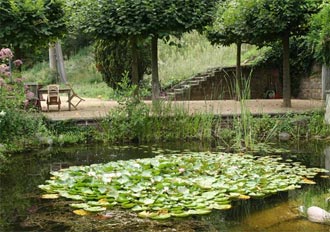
[(22, 209)]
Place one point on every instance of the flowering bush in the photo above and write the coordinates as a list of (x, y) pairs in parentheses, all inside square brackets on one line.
[(11, 91), (6, 56)]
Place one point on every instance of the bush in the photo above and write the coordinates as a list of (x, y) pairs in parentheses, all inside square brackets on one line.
[(114, 59)]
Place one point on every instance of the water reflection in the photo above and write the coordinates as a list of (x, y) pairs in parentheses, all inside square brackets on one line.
[(19, 195)]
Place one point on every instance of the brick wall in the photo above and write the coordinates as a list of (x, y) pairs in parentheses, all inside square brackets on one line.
[(220, 85)]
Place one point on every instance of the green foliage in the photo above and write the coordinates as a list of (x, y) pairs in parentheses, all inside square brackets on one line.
[(12, 96), (176, 185), (228, 26), (319, 35), (16, 125), (114, 58), (301, 60), (122, 19), (133, 120), (28, 25)]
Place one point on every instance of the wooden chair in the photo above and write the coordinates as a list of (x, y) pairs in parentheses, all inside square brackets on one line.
[(53, 97), (73, 95)]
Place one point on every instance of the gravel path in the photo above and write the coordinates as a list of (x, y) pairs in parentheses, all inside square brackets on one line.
[(93, 108)]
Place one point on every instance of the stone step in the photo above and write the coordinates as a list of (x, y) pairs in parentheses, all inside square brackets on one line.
[(193, 83), (178, 90)]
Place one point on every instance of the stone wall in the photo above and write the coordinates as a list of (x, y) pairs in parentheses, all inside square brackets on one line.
[(311, 87), (264, 82), (221, 84)]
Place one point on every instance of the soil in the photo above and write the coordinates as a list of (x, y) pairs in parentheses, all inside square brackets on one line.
[(93, 108)]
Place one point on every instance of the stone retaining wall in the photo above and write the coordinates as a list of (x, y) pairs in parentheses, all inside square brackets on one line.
[(220, 84), (311, 87)]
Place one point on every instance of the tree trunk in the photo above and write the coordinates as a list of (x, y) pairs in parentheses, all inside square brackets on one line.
[(52, 57), (60, 62), (238, 71), (286, 70), (155, 76), (135, 64)]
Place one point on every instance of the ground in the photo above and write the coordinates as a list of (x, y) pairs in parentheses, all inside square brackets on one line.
[(93, 108)]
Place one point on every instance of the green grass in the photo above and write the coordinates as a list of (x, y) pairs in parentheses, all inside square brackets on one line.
[(194, 55)]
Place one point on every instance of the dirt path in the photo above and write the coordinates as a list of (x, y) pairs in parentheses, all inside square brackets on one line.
[(96, 108)]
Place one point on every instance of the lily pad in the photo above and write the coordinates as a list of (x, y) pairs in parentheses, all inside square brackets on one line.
[(50, 196), (177, 185)]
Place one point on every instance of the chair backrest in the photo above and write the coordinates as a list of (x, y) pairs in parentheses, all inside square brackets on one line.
[(53, 93), (70, 86), (33, 87)]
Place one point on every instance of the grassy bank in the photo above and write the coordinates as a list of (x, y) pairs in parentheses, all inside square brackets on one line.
[(195, 54)]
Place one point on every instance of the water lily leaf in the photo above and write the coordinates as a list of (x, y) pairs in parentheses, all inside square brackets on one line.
[(183, 214), (138, 208), (161, 216), (257, 195), (50, 196), (199, 211), (147, 201), (79, 205), (244, 197), (183, 190), (95, 209), (210, 195), (104, 201), (308, 181), (234, 195), (86, 191), (127, 205), (220, 207), (145, 214), (102, 189), (183, 184), (146, 174), (80, 212)]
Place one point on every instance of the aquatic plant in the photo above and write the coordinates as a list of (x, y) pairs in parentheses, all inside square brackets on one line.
[(176, 185)]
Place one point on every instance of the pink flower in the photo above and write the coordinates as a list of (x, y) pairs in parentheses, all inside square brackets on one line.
[(3, 68), (18, 63), (6, 53)]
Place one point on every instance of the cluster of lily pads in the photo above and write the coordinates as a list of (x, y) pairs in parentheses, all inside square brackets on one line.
[(176, 185)]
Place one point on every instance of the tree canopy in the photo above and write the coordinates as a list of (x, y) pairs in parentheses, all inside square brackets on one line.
[(319, 34), (28, 24), (138, 20), (262, 21)]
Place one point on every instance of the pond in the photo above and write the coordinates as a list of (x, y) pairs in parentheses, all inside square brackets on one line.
[(22, 209)]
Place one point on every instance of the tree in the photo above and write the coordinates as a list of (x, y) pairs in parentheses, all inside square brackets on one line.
[(265, 21), (28, 25), (228, 27), (113, 59), (139, 20), (272, 19)]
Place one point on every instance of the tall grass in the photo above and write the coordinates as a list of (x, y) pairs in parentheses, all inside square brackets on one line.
[(194, 55), (81, 73), (176, 63)]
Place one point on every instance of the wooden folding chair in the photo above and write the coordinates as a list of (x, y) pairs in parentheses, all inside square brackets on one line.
[(53, 97), (73, 95)]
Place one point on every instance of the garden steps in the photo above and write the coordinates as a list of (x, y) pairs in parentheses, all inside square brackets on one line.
[(181, 91)]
